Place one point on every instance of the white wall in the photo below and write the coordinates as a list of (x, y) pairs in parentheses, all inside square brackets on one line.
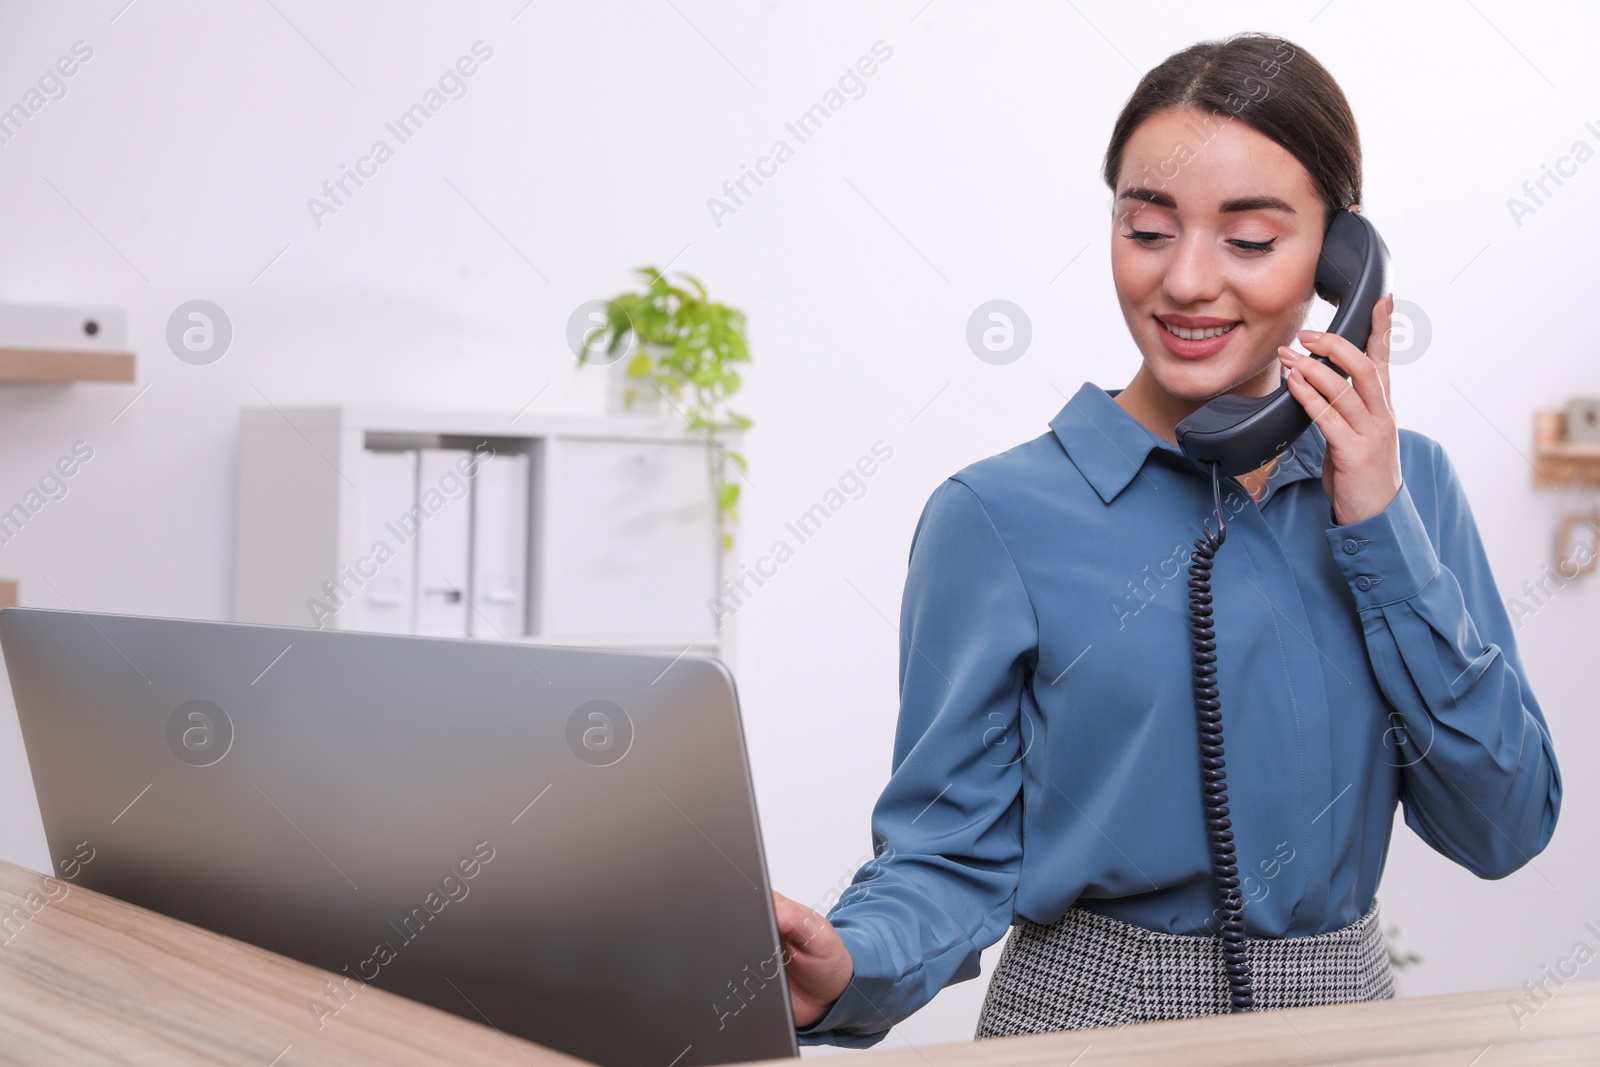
[(179, 163)]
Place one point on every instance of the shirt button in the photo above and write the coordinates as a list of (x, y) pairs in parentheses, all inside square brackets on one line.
[(1363, 582), (1350, 545)]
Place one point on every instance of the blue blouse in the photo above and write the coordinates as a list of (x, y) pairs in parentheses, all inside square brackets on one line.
[(1047, 753)]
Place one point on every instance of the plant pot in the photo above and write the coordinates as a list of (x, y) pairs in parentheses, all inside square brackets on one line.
[(646, 400)]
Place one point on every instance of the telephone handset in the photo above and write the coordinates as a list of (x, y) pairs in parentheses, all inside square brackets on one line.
[(1232, 435), (1241, 433)]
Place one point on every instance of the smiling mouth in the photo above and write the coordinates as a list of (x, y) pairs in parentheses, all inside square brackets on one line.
[(1199, 334)]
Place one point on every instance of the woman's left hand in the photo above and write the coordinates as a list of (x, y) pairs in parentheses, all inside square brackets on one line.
[(1361, 471)]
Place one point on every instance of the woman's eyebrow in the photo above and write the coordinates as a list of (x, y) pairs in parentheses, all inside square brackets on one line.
[(1241, 203)]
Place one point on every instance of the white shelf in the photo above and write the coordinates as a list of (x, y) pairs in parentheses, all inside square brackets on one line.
[(53, 365), (623, 548), (695, 644), (358, 419), (61, 343)]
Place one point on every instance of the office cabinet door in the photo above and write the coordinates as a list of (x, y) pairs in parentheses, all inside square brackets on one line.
[(629, 542)]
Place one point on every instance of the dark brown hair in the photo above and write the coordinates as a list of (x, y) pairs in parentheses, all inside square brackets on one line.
[(1271, 85)]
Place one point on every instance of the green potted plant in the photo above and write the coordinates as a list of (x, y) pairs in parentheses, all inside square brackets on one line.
[(688, 347)]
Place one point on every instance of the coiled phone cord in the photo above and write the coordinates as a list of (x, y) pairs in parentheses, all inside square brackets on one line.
[(1213, 772)]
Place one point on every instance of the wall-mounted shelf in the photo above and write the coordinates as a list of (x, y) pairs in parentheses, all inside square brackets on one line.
[(63, 343), (54, 365), (8, 593), (1558, 461)]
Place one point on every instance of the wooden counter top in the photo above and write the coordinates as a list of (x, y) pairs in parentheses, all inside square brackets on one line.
[(1457, 1030), (88, 979)]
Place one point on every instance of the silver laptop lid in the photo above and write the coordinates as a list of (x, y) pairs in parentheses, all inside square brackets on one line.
[(561, 842)]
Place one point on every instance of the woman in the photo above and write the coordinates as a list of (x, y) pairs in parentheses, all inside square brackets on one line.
[(1045, 770)]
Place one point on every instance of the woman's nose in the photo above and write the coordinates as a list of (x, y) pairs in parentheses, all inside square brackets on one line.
[(1193, 275)]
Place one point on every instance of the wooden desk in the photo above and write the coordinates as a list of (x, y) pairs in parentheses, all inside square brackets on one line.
[(88, 979), (1458, 1030)]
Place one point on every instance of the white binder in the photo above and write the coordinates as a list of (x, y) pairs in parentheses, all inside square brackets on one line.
[(388, 490), (443, 540), (500, 547)]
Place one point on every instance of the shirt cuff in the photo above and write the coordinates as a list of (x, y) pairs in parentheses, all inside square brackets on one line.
[(856, 1005), (1386, 557)]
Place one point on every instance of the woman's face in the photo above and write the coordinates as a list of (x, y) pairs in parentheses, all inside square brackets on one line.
[(1226, 226)]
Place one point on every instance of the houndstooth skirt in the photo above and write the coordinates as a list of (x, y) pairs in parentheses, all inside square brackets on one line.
[(1086, 970)]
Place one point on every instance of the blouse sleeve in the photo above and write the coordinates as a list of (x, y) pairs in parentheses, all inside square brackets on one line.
[(1479, 781), (947, 829)]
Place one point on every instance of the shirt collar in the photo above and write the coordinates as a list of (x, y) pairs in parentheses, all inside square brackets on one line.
[(1109, 446)]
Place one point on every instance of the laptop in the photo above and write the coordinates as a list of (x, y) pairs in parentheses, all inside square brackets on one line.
[(560, 842)]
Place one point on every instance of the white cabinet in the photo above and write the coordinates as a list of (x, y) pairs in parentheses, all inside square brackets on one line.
[(630, 537), (596, 531)]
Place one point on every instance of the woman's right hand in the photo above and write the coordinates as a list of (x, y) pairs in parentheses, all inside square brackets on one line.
[(818, 964)]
